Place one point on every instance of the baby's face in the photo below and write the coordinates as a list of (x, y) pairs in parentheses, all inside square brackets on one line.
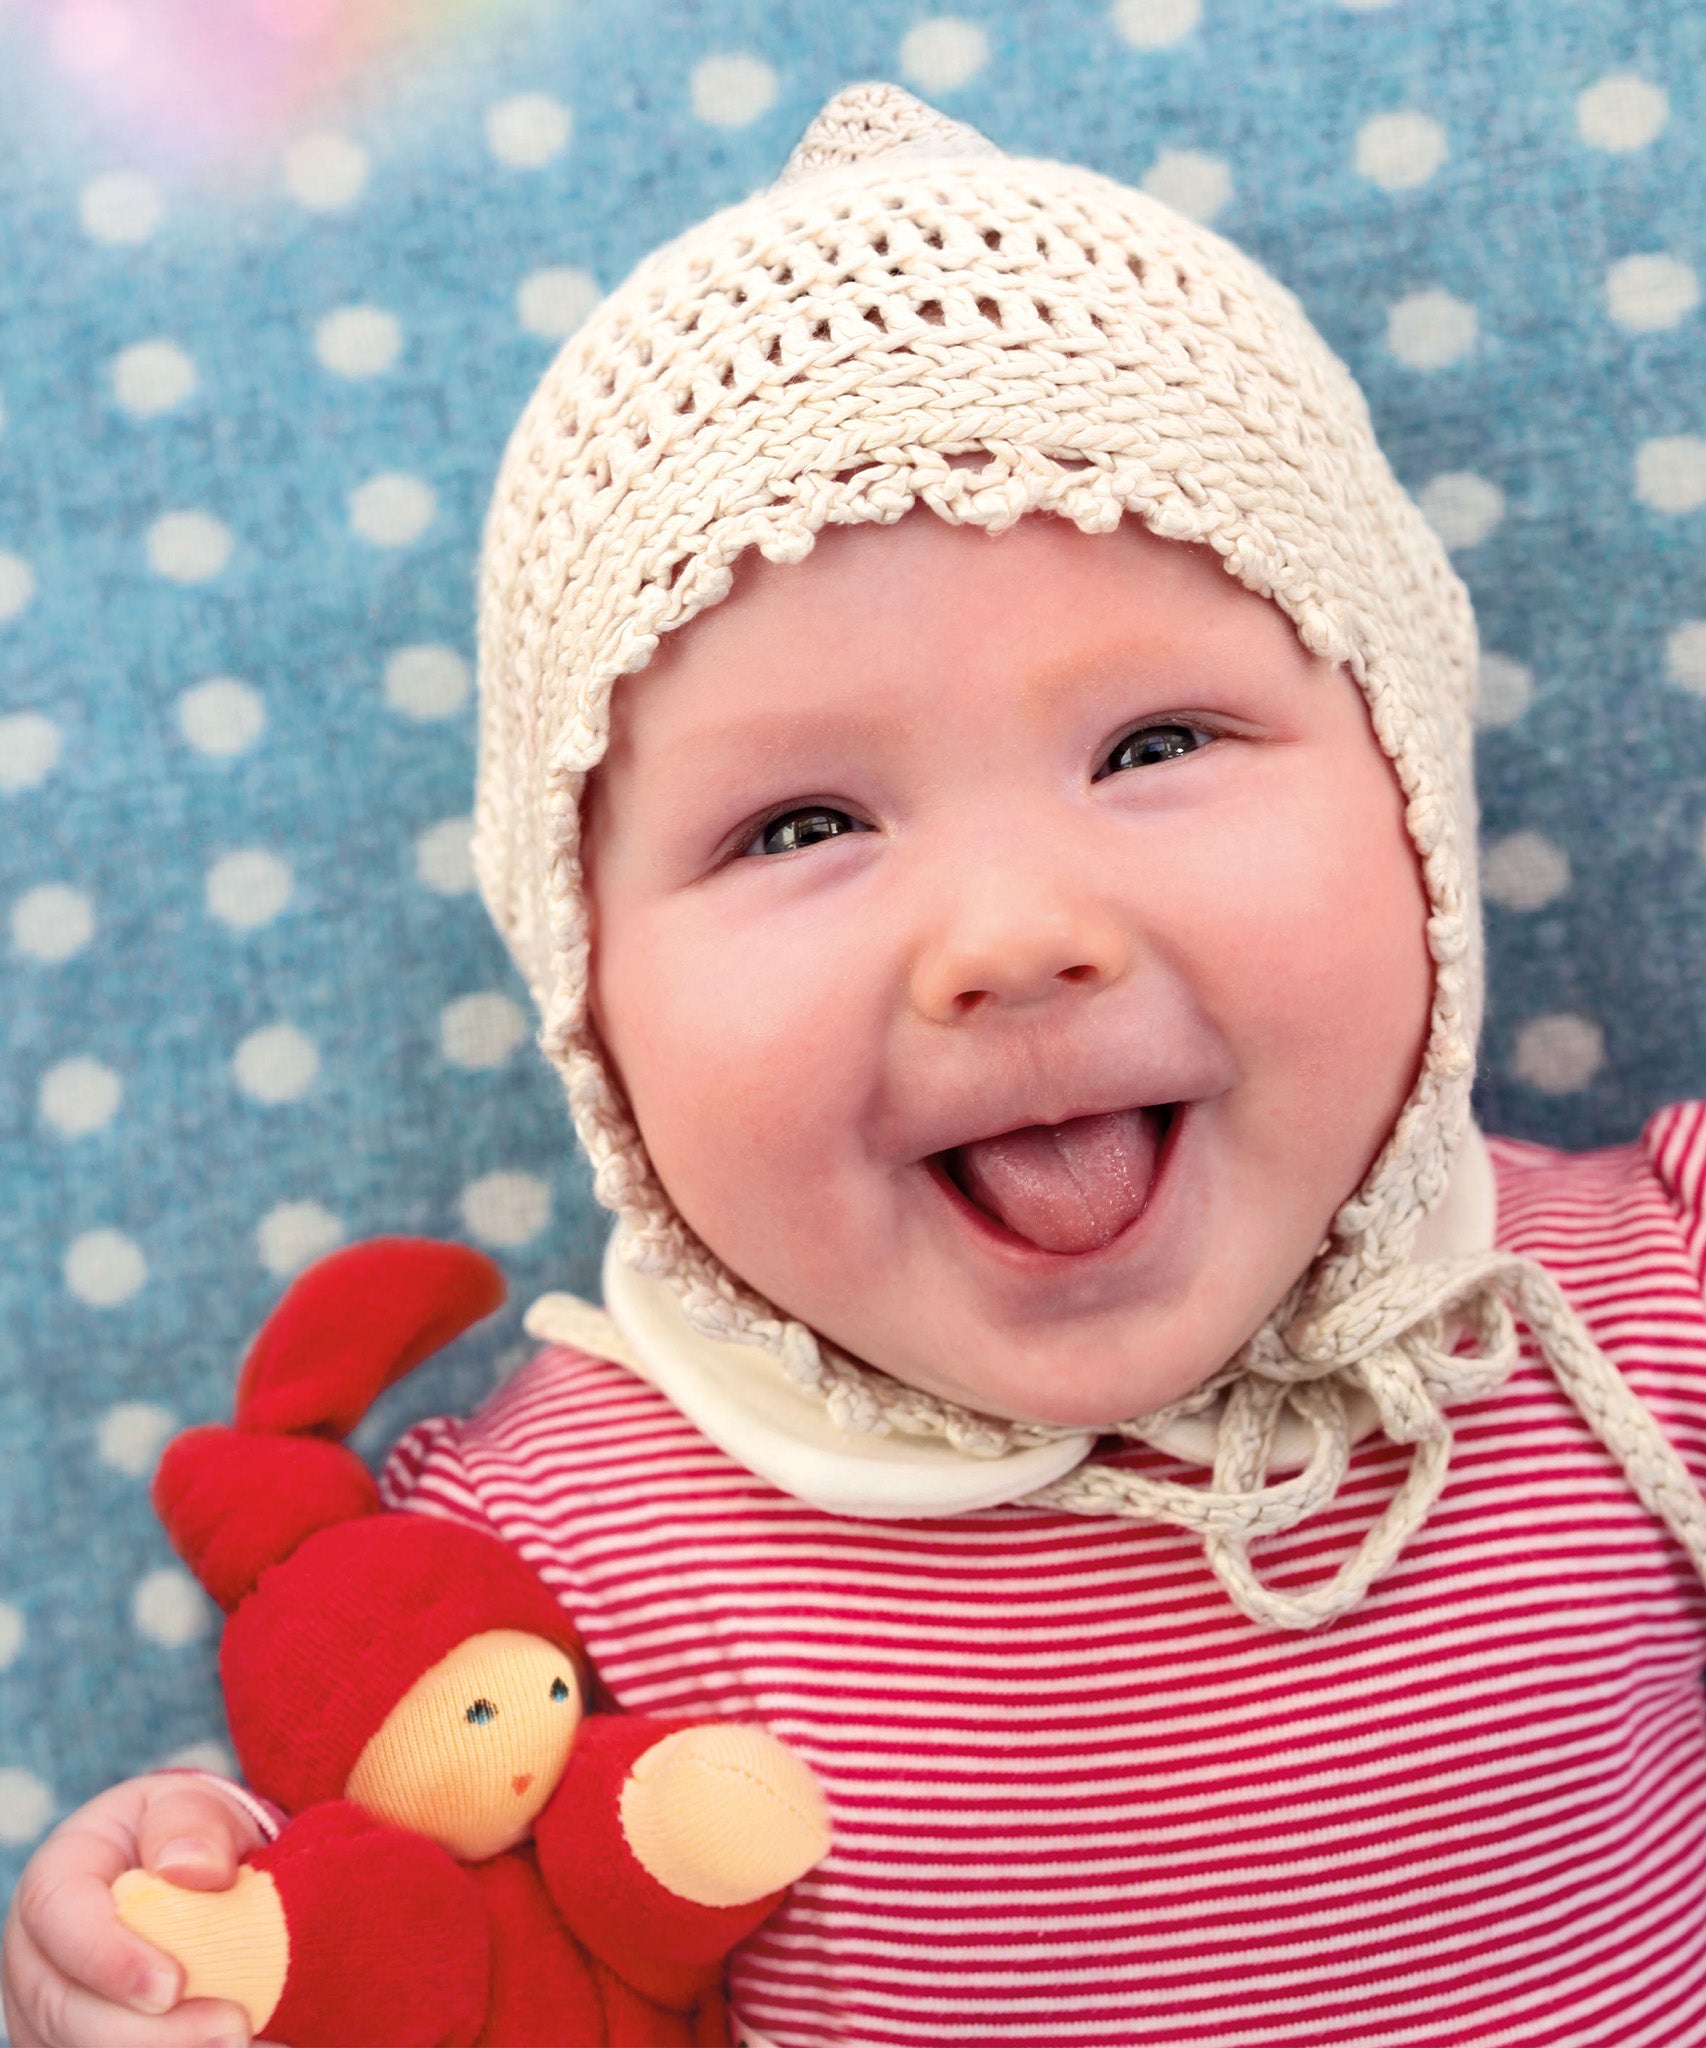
[(1011, 950)]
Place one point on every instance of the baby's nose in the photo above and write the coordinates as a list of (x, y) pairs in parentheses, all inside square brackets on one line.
[(1010, 947)]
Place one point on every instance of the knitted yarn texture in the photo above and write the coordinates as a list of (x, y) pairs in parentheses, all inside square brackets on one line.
[(906, 293)]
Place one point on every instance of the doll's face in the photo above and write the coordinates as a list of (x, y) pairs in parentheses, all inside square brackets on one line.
[(1011, 950), (472, 1752)]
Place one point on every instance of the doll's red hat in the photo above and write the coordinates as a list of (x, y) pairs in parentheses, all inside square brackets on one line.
[(331, 1639), (337, 1607)]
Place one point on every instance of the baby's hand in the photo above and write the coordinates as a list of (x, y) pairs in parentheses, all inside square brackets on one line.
[(73, 1976)]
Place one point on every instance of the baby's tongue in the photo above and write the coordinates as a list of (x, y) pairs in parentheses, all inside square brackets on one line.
[(1068, 1187)]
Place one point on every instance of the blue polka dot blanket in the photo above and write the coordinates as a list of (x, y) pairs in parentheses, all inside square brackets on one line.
[(274, 294)]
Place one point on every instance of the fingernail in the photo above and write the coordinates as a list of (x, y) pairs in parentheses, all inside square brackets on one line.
[(187, 1851), (156, 1991)]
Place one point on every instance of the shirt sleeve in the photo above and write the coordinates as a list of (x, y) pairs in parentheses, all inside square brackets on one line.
[(427, 1474), (268, 1818), (1675, 1145)]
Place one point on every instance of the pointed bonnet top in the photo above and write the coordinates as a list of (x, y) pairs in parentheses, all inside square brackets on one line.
[(879, 120)]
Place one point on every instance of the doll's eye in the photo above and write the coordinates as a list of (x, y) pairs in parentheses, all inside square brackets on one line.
[(1151, 744), (480, 1713), (808, 826), (559, 1691)]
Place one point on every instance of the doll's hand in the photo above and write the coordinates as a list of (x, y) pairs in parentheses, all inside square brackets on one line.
[(72, 1974), (233, 1944), (724, 1814)]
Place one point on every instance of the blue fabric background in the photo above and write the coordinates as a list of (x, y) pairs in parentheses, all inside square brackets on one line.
[(161, 1166)]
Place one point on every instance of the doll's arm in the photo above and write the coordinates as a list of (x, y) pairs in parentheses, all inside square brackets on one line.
[(665, 1844), (344, 1929)]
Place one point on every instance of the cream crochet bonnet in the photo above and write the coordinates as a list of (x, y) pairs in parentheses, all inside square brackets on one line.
[(813, 356)]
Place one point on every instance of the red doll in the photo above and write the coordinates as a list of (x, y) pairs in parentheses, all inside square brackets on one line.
[(473, 1854)]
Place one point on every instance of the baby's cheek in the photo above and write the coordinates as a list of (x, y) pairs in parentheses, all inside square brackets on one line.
[(745, 1092)]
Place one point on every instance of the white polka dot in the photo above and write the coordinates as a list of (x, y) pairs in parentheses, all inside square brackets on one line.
[(123, 206), (1621, 113), (1401, 150), (53, 922), (480, 1031), (1647, 293), (276, 1064), (248, 888), (208, 1755), (1462, 508), (1559, 1054), (554, 302), (324, 171), (1685, 655), (429, 681), (79, 1095), (11, 1633), (26, 1805), (1153, 24), (132, 1435), (358, 341), (1366, 6), (392, 509), (943, 54), (527, 131), (1670, 473), (506, 1208), (188, 547), (169, 1608), (731, 91), (29, 749), (105, 1268), (1525, 871), (294, 1235), (1430, 329), (1504, 689), (17, 584), (444, 859), (222, 716), (152, 377), (1193, 184)]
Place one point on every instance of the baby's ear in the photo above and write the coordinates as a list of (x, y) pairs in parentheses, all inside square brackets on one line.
[(353, 1324)]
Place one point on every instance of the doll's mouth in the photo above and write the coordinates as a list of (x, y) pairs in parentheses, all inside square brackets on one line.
[(520, 1782), (1068, 1188)]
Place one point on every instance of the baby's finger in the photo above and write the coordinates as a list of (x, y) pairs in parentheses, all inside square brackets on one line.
[(78, 2019), (193, 1836), (64, 1913), (44, 2010)]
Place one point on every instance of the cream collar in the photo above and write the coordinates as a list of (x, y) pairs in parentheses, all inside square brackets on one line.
[(742, 1399)]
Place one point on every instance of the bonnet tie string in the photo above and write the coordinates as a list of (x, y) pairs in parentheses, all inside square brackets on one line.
[(1397, 1340)]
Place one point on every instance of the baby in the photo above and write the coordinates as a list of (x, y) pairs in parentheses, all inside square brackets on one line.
[(975, 770)]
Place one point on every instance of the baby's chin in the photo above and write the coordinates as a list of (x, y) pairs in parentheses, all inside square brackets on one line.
[(1066, 1380)]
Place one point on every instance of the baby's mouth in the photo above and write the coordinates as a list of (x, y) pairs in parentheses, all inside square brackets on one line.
[(1068, 1187)]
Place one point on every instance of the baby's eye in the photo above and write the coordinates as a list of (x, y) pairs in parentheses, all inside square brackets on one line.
[(480, 1713), (809, 826), (1150, 744), (559, 1691)]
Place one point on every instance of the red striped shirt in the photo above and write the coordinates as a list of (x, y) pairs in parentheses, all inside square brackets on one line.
[(1080, 1800)]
